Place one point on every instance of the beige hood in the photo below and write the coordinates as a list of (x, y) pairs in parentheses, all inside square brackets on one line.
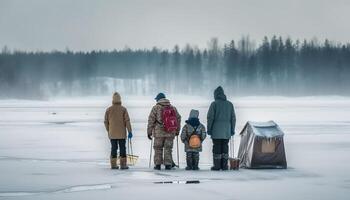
[(116, 98)]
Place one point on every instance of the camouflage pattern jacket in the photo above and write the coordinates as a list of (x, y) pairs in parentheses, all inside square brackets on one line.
[(155, 121), (186, 133)]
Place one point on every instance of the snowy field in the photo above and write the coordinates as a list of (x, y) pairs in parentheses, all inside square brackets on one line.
[(58, 149)]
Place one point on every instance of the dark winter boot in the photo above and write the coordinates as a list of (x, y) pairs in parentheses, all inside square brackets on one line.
[(168, 167), (217, 162), (189, 161), (195, 161), (113, 162), (123, 163), (224, 161), (157, 167)]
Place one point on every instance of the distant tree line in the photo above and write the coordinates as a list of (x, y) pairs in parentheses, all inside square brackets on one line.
[(276, 66)]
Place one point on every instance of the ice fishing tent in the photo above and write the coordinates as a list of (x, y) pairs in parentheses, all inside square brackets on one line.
[(262, 146)]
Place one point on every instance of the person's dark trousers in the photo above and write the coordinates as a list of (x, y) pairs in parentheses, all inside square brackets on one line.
[(192, 160), (189, 161), (220, 154), (115, 143), (195, 160)]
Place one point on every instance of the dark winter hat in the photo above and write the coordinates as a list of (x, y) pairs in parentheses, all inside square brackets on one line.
[(219, 93), (160, 96), (194, 114)]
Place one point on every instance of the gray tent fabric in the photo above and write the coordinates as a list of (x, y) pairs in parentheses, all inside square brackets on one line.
[(262, 146)]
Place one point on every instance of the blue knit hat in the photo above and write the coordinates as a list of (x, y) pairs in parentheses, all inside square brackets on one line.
[(160, 96)]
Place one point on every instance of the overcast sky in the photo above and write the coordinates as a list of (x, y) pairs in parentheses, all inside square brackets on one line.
[(114, 24)]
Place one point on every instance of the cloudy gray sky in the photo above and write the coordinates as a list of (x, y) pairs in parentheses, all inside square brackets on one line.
[(110, 24)]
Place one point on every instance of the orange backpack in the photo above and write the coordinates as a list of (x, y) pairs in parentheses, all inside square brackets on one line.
[(195, 141)]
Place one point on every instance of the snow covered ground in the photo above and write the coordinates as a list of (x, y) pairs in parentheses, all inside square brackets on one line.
[(58, 149)]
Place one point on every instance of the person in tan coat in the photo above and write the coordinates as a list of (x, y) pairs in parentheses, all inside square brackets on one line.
[(117, 121)]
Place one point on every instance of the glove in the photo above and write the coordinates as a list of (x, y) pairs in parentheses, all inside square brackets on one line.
[(149, 137), (130, 135), (232, 133)]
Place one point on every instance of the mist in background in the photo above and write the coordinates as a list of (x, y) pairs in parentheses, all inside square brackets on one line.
[(272, 47), (276, 67)]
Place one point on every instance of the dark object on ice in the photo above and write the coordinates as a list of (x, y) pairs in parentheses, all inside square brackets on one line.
[(164, 182), (160, 96), (178, 182), (193, 182), (262, 146), (53, 113)]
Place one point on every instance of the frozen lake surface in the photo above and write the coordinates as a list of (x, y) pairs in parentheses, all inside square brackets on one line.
[(58, 149)]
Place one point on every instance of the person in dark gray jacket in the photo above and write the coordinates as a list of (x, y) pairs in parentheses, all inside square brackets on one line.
[(221, 122)]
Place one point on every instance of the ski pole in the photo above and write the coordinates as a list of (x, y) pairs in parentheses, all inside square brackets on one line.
[(230, 153), (233, 147), (150, 154), (178, 160)]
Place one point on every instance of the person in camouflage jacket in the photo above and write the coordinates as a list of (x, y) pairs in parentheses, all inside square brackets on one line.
[(163, 141)]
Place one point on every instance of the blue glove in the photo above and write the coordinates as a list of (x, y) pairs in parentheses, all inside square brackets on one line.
[(130, 135)]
